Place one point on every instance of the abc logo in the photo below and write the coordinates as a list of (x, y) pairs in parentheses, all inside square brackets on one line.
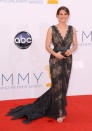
[(23, 40)]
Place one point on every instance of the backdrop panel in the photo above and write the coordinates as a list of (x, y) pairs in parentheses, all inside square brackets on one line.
[(24, 73)]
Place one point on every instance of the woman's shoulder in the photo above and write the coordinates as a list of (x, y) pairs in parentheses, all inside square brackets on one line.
[(72, 27), (50, 28)]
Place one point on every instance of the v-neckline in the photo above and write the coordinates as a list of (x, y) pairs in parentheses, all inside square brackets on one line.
[(63, 38)]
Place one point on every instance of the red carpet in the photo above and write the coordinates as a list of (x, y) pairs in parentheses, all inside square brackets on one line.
[(79, 116)]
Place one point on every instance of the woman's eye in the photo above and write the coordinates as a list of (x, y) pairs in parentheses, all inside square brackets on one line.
[(63, 14)]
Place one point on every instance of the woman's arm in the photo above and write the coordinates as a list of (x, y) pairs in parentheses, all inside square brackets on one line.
[(69, 52), (48, 42), (74, 40)]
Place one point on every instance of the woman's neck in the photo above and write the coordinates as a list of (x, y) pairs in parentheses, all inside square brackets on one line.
[(62, 24)]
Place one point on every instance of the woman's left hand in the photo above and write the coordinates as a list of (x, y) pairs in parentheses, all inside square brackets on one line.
[(68, 52)]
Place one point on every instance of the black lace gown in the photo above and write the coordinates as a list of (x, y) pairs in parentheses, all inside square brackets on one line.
[(53, 102)]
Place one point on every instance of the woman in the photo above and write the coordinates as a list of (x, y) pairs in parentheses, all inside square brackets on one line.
[(53, 102), (61, 35)]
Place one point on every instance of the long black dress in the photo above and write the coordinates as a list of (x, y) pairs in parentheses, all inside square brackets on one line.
[(53, 102)]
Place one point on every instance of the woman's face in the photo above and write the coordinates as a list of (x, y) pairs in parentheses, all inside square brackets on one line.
[(63, 16)]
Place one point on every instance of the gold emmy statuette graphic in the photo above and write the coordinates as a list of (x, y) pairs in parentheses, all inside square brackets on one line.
[(47, 68), (52, 1)]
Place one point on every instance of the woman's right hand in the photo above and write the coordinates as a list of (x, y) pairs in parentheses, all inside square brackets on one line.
[(59, 55)]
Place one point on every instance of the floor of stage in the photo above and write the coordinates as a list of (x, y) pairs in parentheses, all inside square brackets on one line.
[(79, 116)]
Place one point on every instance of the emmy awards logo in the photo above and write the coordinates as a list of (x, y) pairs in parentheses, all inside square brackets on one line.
[(48, 70)]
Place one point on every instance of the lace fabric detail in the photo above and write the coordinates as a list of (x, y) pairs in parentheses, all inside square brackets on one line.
[(60, 35)]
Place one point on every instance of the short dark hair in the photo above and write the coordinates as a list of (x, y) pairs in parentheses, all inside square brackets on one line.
[(63, 8)]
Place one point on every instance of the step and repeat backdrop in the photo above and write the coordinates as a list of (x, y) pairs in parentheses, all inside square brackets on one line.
[(24, 61)]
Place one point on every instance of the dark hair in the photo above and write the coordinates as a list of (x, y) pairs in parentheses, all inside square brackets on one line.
[(63, 8)]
